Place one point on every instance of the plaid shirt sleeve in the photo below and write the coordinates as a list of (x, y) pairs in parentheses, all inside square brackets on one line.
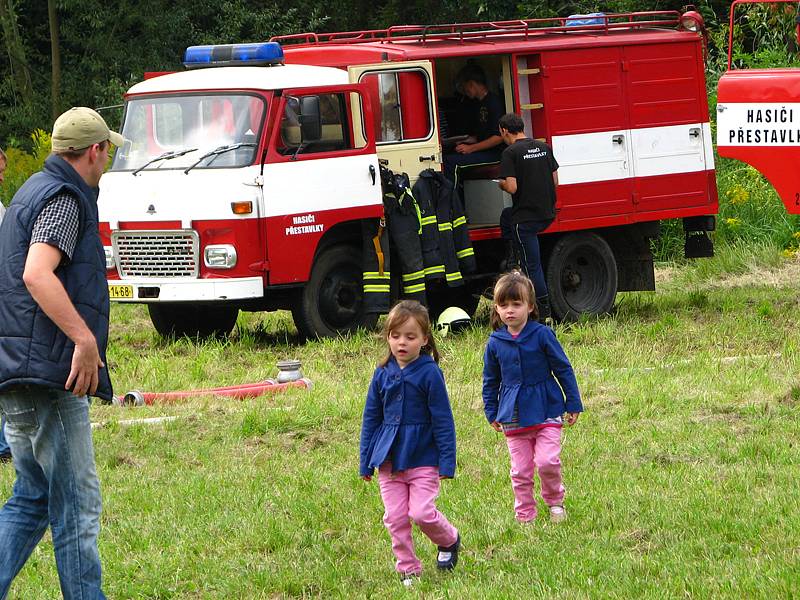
[(57, 225)]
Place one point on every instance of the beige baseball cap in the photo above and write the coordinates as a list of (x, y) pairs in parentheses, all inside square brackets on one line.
[(79, 128)]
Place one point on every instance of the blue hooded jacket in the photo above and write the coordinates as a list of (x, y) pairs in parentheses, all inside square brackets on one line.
[(525, 372), (408, 419)]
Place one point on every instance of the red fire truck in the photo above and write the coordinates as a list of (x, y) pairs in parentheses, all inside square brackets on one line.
[(243, 187)]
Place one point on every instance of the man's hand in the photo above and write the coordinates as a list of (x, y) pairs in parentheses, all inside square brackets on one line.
[(366, 477), (465, 148), (83, 376), (572, 418)]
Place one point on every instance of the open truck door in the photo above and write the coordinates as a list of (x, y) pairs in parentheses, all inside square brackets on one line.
[(403, 113)]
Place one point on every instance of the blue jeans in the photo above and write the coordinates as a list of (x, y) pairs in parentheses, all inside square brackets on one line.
[(4, 449), (51, 442), (526, 238)]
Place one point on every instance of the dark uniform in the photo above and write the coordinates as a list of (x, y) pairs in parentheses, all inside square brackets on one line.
[(532, 164)]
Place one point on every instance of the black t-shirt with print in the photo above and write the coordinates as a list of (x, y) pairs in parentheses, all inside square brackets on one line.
[(489, 111), (532, 164)]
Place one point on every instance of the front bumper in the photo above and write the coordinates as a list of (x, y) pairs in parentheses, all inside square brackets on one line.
[(204, 290)]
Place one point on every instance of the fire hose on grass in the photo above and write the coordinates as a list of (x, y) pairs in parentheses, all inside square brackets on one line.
[(289, 376)]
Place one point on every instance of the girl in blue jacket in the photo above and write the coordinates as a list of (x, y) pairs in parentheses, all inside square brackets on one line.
[(408, 434), (526, 376)]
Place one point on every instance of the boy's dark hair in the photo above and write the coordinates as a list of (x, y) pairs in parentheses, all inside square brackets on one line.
[(402, 312), (512, 123), (471, 72), (510, 287)]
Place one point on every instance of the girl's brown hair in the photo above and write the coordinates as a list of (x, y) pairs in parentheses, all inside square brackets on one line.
[(513, 286), (402, 312)]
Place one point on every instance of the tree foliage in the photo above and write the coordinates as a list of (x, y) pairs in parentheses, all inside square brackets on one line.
[(104, 47)]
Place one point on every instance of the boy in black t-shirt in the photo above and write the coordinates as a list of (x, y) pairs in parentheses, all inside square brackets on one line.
[(529, 172)]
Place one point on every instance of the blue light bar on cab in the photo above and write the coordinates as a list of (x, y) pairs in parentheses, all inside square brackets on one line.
[(228, 55)]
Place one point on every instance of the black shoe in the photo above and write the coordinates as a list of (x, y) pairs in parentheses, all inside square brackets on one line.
[(448, 555)]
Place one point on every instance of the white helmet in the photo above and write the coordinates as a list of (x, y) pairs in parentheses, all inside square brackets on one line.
[(452, 319)]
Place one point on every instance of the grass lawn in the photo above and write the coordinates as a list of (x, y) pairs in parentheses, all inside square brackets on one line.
[(681, 476)]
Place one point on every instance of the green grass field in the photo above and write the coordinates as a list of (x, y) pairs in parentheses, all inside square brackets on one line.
[(682, 474)]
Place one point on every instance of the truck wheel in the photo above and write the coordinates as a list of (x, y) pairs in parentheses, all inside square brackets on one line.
[(332, 301), (193, 321), (581, 276)]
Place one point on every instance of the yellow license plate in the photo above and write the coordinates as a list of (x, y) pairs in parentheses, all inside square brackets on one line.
[(120, 291)]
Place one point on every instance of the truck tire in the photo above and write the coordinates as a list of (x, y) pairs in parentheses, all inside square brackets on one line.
[(180, 319), (581, 276), (331, 302)]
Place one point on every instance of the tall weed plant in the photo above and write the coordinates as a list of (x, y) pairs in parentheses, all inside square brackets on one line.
[(22, 165)]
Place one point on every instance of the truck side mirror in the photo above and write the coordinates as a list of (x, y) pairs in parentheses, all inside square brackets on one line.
[(310, 119)]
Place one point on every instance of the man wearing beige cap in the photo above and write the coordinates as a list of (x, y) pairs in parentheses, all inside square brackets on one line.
[(53, 334)]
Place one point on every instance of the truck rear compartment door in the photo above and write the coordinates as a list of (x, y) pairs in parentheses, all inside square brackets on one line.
[(670, 133), (584, 116)]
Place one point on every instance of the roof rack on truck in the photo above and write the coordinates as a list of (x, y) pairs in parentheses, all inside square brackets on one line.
[(488, 30)]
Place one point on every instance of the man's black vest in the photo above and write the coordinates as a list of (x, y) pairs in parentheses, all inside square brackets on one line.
[(33, 350)]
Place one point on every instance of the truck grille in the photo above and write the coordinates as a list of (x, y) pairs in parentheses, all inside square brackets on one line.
[(167, 254)]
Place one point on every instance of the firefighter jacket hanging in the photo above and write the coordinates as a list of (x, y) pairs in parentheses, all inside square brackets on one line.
[(427, 232), (434, 190), (404, 223)]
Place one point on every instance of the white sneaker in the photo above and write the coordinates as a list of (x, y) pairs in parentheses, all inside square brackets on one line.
[(557, 514), (409, 579)]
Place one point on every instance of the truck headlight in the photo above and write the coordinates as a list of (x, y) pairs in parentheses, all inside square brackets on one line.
[(221, 256), (109, 252)]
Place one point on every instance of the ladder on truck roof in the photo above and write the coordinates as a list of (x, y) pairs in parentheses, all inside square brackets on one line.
[(464, 32)]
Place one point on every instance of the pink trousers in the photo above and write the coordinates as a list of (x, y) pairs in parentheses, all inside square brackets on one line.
[(410, 495), (539, 449)]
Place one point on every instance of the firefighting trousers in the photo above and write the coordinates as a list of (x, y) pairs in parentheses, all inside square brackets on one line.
[(376, 275), (404, 234)]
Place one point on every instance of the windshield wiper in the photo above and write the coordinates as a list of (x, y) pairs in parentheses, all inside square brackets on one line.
[(166, 156), (216, 152)]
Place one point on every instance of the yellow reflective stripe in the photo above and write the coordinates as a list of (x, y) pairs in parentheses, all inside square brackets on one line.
[(376, 288), (429, 220), (445, 226), (452, 276), (460, 221), (413, 276), (436, 269), (376, 275), (412, 289), (465, 252)]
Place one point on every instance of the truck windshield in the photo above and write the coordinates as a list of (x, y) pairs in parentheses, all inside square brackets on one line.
[(154, 127)]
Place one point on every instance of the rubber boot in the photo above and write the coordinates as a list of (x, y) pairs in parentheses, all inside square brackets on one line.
[(545, 316)]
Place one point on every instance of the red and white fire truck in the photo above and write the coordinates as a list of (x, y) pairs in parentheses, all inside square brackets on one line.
[(242, 185)]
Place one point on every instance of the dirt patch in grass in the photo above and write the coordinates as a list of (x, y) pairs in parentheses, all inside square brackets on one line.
[(787, 274), (791, 397), (638, 540)]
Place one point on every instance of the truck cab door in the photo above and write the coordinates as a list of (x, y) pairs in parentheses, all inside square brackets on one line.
[(318, 174), (404, 114)]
